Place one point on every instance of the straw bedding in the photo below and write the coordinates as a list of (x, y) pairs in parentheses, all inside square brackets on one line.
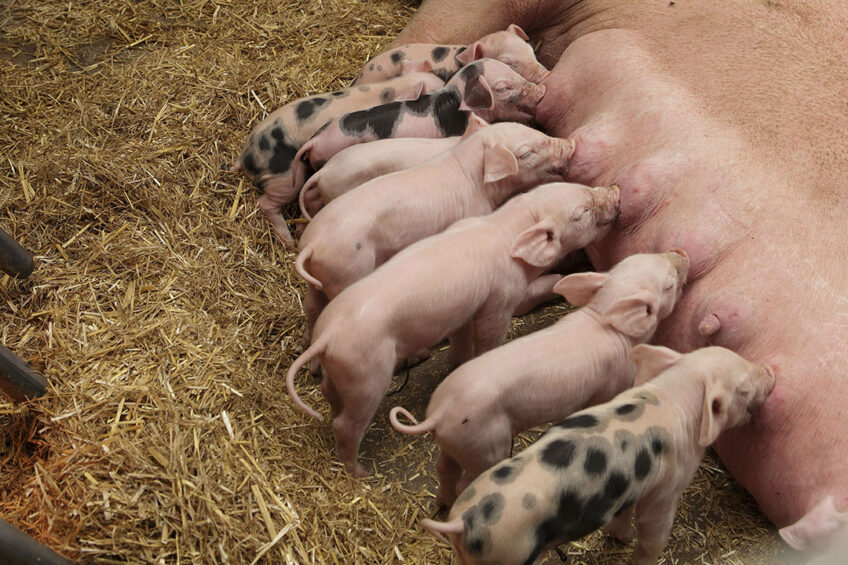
[(164, 313)]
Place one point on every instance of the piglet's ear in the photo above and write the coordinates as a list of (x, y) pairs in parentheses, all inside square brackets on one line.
[(498, 163), (475, 124), (579, 288), (411, 92), (477, 96), (518, 31), (715, 415), (471, 53), (417, 66), (651, 360), (634, 315), (539, 245)]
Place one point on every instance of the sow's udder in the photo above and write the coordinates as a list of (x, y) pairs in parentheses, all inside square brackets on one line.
[(691, 178)]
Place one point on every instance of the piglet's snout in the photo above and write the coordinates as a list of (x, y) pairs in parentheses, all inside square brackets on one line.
[(565, 149), (680, 260), (530, 97), (606, 201)]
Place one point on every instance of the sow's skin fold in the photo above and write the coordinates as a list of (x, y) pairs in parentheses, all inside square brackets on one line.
[(580, 361), (638, 451), (266, 157), (463, 283), (509, 46), (488, 87)]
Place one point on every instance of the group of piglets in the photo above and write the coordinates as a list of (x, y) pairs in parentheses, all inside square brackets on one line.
[(429, 223)]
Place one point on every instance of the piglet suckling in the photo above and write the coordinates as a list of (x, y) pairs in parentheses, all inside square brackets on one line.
[(363, 228), (510, 46), (463, 283), (487, 87), (581, 360), (358, 164), (639, 450), (268, 151)]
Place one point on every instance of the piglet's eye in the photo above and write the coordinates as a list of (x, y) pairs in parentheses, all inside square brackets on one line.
[(526, 154)]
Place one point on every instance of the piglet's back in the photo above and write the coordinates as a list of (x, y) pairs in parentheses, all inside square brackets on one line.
[(583, 472)]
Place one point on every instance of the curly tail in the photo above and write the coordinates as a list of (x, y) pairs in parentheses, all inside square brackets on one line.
[(311, 184), (313, 351), (427, 425), (300, 164), (439, 529), (299, 266)]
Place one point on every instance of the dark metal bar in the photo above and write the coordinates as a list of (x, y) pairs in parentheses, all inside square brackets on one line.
[(19, 380), (17, 548), (14, 259)]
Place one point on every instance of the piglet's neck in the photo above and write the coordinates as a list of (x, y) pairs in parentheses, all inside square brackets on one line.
[(682, 391)]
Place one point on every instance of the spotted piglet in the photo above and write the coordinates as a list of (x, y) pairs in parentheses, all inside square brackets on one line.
[(488, 87), (269, 149), (580, 361), (509, 46), (639, 450)]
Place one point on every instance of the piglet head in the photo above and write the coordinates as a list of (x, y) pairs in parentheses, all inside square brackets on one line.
[(510, 47), (518, 157), (569, 218), (635, 295), (734, 389), (497, 93)]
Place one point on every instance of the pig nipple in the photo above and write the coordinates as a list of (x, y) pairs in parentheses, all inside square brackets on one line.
[(709, 326)]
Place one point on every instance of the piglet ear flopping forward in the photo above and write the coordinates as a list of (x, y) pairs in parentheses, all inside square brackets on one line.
[(715, 414), (474, 52), (634, 315), (539, 245), (518, 31), (498, 163), (579, 288), (651, 360), (478, 95)]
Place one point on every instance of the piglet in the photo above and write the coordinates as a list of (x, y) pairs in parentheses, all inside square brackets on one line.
[(508, 46), (463, 283), (362, 229), (268, 151), (488, 87), (642, 448), (358, 164), (543, 377)]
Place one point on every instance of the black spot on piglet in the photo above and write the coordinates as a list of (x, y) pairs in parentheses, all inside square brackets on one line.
[(504, 474), (625, 409), (596, 462), (559, 453), (398, 56), (439, 53), (642, 465), (581, 421), (381, 120)]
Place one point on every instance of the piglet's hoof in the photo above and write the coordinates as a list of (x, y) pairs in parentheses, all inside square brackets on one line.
[(357, 470)]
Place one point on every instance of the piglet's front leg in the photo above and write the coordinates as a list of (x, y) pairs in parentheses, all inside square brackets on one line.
[(461, 345), (654, 518)]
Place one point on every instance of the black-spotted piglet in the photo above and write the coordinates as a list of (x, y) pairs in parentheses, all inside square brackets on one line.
[(509, 46), (488, 87), (266, 157), (639, 450)]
